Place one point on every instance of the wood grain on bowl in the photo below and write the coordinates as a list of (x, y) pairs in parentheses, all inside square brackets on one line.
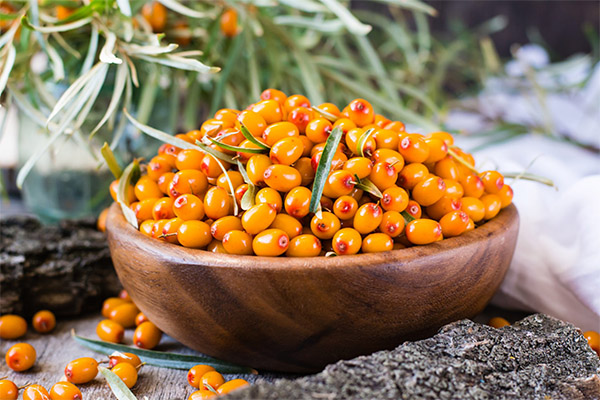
[(299, 314)]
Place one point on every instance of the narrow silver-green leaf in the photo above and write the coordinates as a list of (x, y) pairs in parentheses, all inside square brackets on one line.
[(369, 187), (325, 114), (118, 387), (122, 73), (351, 22), (248, 198), (237, 148), (30, 163), (215, 153), (160, 135), (125, 7), (164, 359), (324, 167), (415, 5), (106, 54), (57, 28), (111, 161), (250, 137), (132, 170), (181, 9), (7, 67), (360, 144), (91, 54), (174, 61), (58, 68), (327, 26)]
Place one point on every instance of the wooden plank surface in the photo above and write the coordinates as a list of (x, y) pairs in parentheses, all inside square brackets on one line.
[(56, 349)]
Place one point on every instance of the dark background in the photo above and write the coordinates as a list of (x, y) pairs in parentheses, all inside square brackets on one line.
[(560, 23)]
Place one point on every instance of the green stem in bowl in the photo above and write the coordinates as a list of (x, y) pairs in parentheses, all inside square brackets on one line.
[(324, 167)]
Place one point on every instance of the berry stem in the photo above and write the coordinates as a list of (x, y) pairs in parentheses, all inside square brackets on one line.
[(530, 177), (461, 160)]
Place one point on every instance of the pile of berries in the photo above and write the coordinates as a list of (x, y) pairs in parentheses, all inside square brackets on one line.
[(384, 189), (210, 383)]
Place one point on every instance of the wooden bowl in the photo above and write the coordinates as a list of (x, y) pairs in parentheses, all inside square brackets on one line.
[(300, 314)]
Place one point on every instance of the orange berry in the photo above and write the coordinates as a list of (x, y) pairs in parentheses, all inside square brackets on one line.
[(202, 394), (346, 241), (361, 112), (156, 15), (390, 156), (35, 392), (290, 225), (129, 358), (110, 303), (141, 317), (110, 331), (297, 202), (325, 226), (359, 166), (225, 224), (227, 115), (383, 175), (254, 122), (395, 126), (454, 223), (163, 209), (256, 167), (279, 130), (453, 189), (392, 223), (228, 23), (124, 314), (20, 357), (237, 242), (258, 218), (304, 246), (443, 206), (429, 190), (210, 166), (296, 100), (211, 379), (282, 178), (473, 207), (300, 116), (65, 391), (188, 181), (270, 197), (304, 167), (195, 374), (413, 209), (81, 370), (164, 181), (352, 138), (446, 168), (8, 390), (386, 139), (506, 195), (593, 339), (413, 148), (130, 193), (12, 326), (493, 181), (127, 372), (438, 149), (146, 227), (232, 385), (412, 174), (339, 183), (194, 234), (472, 185), (159, 165), (146, 188), (146, 335), (44, 321), (188, 207), (377, 242), (287, 151), (143, 209), (270, 243), (423, 231), (394, 199), (273, 94), (345, 207), (217, 203), (318, 130), (498, 322), (492, 204), (270, 110)]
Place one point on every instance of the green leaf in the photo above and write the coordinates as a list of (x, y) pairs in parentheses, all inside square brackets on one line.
[(236, 148), (325, 114), (215, 153), (183, 10), (328, 26), (30, 163), (248, 198), (248, 135), (160, 135), (407, 217), (91, 54), (351, 22), (106, 54), (369, 187), (174, 61), (7, 67), (324, 167), (415, 5), (56, 28), (118, 387), (121, 77), (111, 161), (164, 359), (125, 7), (130, 173), (360, 144)]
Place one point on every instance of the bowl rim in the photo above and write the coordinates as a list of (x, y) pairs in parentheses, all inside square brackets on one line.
[(119, 229)]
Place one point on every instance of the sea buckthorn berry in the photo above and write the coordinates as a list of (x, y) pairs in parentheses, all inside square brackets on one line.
[(125, 296), (202, 394), (8, 390), (169, 232), (146, 335), (101, 221), (287, 151), (20, 357), (319, 147), (211, 168), (143, 209), (390, 156), (498, 322), (300, 116), (345, 124), (256, 167), (339, 183), (326, 226), (157, 229), (359, 166), (270, 243), (308, 145), (394, 199), (189, 159), (593, 339), (288, 224), (423, 231), (110, 303), (188, 181), (346, 241), (195, 374), (296, 100), (446, 168), (377, 242), (318, 130), (279, 130), (258, 218), (35, 392), (65, 391), (43, 321), (217, 203), (412, 174), (12, 326), (156, 15), (453, 189), (238, 242), (413, 148), (216, 246), (337, 162), (429, 190), (438, 149), (492, 204), (232, 385), (367, 218), (273, 94), (110, 331), (81, 370), (210, 127), (473, 207), (443, 206), (381, 121), (330, 108), (493, 181), (472, 185), (470, 226), (141, 317), (506, 195), (392, 223), (361, 112), (454, 223), (228, 116), (352, 138), (386, 139), (228, 223), (163, 209), (124, 314), (194, 234), (129, 358), (160, 164), (164, 181), (254, 122), (414, 209), (304, 246), (211, 380), (229, 136), (383, 175), (270, 197), (146, 227), (228, 23), (188, 207), (169, 149), (127, 373), (444, 136), (270, 110), (146, 188), (130, 191), (246, 144), (297, 202), (345, 207), (240, 191), (282, 178), (234, 176)]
